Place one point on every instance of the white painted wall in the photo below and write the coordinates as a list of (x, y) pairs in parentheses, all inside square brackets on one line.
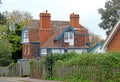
[(99, 50), (57, 51), (69, 50), (80, 51)]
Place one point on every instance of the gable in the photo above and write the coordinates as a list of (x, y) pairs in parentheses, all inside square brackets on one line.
[(114, 44), (69, 28), (111, 35)]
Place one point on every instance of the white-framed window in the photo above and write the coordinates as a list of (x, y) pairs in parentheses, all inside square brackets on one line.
[(43, 51), (25, 36), (28, 49), (66, 36), (69, 37), (25, 49)]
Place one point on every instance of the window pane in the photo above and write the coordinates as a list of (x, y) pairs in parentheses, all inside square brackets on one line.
[(43, 51), (71, 35), (66, 36)]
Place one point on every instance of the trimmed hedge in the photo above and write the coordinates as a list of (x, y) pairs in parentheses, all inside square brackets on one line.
[(73, 67)]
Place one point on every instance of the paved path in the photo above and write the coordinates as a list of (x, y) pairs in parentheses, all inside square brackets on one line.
[(13, 79)]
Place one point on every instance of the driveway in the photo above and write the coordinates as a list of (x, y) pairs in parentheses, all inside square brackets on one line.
[(26, 79)]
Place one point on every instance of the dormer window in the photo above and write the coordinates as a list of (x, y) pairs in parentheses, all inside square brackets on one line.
[(69, 37), (66, 36), (25, 36)]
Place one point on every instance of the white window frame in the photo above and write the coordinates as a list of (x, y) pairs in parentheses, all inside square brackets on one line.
[(25, 36), (24, 49), (43, 51), (66, 36), (28, 49), (69, 37)]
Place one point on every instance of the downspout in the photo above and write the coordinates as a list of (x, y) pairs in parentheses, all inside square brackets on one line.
[(51, 62), (85, 40), (36, 51)]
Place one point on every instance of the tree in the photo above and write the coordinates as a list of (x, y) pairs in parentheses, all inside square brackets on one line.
[(2, 19), (95, 39), (16, 20), (17, 17), (109, 14), (5, 48)]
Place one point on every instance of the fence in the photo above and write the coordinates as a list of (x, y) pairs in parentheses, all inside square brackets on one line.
[(92, 73), (21, 69), (4, 71), (36, 71), (17, 69), (87, 72)]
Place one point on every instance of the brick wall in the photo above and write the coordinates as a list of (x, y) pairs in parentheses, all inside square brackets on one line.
[(44, 35), (74, 20), (115, 42), (29, 53), (26, 54), (79, 41), (45, 27)]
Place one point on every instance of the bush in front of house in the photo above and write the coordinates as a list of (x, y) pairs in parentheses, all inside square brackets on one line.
[(73, 67)]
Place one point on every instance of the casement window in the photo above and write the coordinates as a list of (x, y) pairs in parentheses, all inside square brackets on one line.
[(66, 36), (69, 37), (43, 51), (25, 36), (26, 49)]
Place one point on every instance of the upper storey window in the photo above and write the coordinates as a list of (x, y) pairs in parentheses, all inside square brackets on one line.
[(69, 37), (25, 37)]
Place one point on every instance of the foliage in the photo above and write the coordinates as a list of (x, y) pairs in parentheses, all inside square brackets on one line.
[(109, 14), (2, 19), (86, 67), (14, 39), (50, 60), (95, 39), (17, 17), (31, 62), (15, 21), (5, 48), (10, 69), (36, 68), (81, 67)]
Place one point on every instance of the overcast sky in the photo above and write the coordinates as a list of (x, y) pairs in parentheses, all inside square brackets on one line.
[(61, 9)]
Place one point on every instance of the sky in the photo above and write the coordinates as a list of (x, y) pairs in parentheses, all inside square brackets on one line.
[(61, 9)]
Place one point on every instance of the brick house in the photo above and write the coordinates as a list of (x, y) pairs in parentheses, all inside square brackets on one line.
[(45, 36), (112, 42)]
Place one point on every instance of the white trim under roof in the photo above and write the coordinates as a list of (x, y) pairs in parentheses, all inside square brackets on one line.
[(111, 35)]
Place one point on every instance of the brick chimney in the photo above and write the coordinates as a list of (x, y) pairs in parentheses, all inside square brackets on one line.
[(74, 20), (45, 31), (45, 20)]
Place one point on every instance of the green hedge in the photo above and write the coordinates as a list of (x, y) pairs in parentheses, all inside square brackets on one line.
[(82, 67), (104, 67)]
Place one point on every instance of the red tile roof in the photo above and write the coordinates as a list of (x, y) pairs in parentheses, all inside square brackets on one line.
[(57, 28), (33, 34)]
